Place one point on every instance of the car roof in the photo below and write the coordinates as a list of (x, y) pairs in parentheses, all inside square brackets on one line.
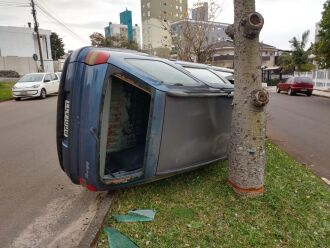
[(191, 64), (217, 68)]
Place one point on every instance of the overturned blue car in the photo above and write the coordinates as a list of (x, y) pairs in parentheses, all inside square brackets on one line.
[(126, 118)]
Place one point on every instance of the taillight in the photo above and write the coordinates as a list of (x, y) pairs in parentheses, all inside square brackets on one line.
[(83, 183), (97, 57)]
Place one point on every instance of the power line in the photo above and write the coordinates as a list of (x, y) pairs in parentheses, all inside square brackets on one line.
[(59, 21)]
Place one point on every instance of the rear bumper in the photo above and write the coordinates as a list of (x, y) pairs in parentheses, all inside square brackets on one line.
[(26, 93), (302, 90)]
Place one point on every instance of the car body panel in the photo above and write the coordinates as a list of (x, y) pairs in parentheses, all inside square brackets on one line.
[(296, 85)]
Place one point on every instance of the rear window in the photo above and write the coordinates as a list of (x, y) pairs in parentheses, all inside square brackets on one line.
[(303, 80), (209, 77), (163, 72)]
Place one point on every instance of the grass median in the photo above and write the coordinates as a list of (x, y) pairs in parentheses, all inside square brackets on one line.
[(5, 91), (199, 209)]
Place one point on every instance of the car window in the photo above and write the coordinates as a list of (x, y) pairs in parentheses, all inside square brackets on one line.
[(224, 73), (209, 77), (47, 77), (54, 76), (31, 78), (303, 80), (163, 72)]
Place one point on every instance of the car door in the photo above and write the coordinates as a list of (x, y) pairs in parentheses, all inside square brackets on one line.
[(48, 83), (56, 82), (286, 84)]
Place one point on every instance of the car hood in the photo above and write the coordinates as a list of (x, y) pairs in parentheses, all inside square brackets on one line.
[(25, 84)]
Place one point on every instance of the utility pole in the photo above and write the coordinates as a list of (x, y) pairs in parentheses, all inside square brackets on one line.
[(36, 29)]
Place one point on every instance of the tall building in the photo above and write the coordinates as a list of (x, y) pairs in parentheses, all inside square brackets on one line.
[(201, 12), (155, 18), (126, 19), (121, 30)]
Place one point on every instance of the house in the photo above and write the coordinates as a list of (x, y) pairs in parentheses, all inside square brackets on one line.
[(18, 46)]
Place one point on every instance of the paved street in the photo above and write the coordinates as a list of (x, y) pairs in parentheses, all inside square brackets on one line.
[(39, 205), (301, 126)]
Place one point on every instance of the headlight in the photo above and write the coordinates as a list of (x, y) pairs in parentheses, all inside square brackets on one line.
[(14, 87), (36, 86)]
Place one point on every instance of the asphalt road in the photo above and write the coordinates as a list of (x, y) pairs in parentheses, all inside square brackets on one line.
[(39, 207), (301, 126)]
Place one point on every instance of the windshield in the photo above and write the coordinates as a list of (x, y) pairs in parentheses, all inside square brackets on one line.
[(31, 78), (209, 77), (163, 72), (303, 80)]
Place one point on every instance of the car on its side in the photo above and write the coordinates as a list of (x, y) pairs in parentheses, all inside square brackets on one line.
[(295, 85), (36, 85)]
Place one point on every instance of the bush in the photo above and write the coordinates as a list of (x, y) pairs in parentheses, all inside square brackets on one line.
[(9, 74)]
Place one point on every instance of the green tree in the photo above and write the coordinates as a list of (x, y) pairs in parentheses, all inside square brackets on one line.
[(322, 47), (117, 41), (57, 46), (285, 61), (299, 54)]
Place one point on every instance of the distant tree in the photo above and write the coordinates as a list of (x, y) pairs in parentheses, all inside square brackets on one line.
[(57, 46), (190, 38), (117, 41), (299, 54), (285, 61), (97, 39), (322, 48)]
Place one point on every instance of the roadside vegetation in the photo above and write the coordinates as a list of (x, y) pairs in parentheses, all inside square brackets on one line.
[(5, 91), (199, 209)]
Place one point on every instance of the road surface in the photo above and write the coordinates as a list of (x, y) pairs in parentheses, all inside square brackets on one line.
[(39, 207), (301, 126)]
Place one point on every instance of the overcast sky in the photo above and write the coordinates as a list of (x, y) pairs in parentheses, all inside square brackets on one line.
[(283, 18)]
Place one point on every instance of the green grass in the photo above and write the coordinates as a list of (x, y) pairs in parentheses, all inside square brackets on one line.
[(5, 91), (199, 209)]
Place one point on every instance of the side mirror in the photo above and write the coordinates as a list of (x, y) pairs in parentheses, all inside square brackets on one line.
[(46, 80)]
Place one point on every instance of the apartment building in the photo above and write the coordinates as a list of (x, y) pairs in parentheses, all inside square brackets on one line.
[(156, 16)]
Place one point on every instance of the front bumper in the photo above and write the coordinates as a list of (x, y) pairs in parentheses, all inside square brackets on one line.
[(26, 93)]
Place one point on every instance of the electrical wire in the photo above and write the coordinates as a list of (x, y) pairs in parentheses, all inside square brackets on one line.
[(47, 13)]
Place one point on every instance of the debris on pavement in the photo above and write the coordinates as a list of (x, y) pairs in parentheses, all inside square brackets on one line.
[(118, 240), (140, 215)]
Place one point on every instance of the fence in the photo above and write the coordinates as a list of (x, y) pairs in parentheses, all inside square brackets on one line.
[(321, 78)]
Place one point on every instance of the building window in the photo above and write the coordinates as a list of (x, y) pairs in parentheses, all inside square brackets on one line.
[(148, 5), (149, 13)]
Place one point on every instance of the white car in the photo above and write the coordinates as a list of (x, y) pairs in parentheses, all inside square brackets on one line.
[(36, 85)]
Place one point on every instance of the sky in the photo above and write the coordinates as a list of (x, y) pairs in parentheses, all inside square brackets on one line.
[(284, 19)]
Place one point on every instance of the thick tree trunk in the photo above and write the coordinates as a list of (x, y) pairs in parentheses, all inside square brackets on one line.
[(247, 148)]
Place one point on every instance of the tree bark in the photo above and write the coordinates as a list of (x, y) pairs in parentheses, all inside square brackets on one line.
[(247, 148)]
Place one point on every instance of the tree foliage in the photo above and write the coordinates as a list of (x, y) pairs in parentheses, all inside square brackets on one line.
[(298, 59), (322, 47), (57, 46), (98, 40)]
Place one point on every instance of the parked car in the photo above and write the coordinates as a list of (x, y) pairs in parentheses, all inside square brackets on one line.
[(35, 85), (225, 72), (206, 74), (295, 85), (128, 118)]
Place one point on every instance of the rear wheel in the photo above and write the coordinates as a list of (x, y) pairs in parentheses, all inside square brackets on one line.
[(278, 90), (17, 98), (290, 93), (43, 94)]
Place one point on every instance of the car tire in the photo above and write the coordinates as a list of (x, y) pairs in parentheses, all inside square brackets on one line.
[(17, 98), (308, 94), (290, 93), (43, 94), (278, 90)]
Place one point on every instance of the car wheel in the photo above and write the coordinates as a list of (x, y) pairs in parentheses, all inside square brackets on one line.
[(43, 94), (278, 90), (309, 94), (17, 98), (290, 93)]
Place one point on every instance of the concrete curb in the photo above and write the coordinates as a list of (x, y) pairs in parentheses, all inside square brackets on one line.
[(92, 234)]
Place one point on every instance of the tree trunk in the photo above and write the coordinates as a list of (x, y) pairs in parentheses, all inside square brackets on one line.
[(247, 148)]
